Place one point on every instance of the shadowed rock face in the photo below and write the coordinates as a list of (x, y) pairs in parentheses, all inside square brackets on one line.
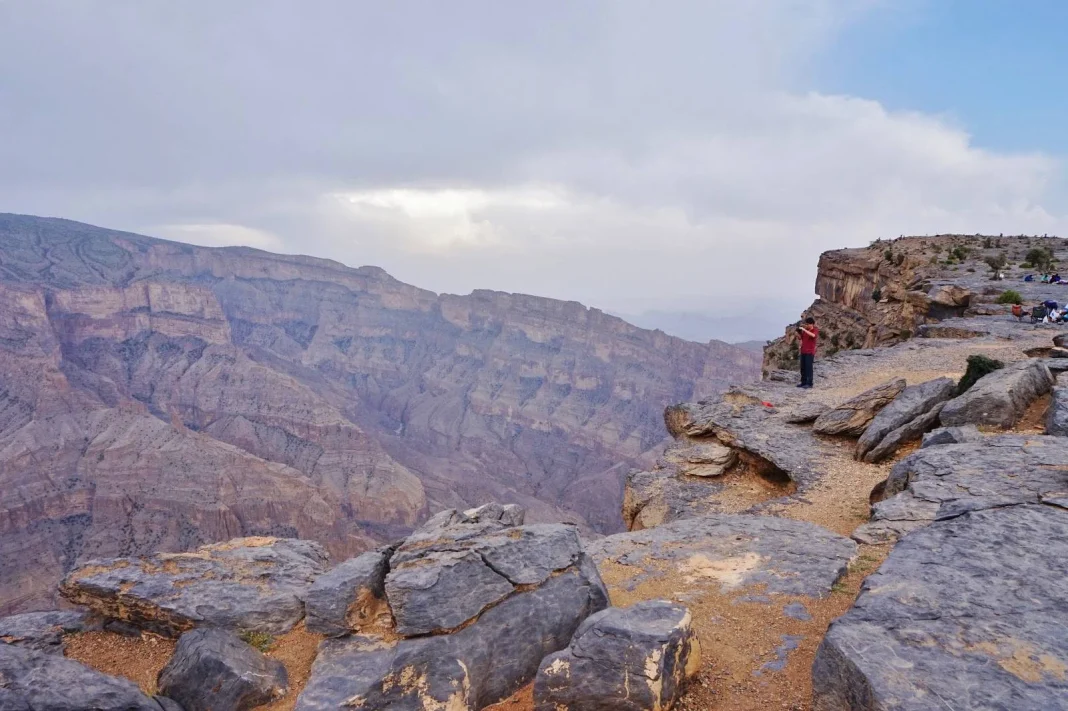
[(160, 396)]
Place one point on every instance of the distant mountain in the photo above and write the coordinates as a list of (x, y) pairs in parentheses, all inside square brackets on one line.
[(157, 396)]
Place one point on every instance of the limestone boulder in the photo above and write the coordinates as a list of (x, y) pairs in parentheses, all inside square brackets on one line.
[(907, 432), (1058, 353), (1061, 340), (214, 669), (966, 613), (254, 584), (661, 496), (638, 657), (950, 295), (703, 459), (351, 596), (44, 631), (1057, 416), (1000, 398), (39, 681), (913, 402), (951, 435), (852, 417), (806, 412)]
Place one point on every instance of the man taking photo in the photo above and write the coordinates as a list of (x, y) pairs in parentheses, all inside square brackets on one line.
[(808, 333)]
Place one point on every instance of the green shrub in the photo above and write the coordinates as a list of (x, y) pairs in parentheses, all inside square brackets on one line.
[(960, 253), (978, 366), (1040, 258), (260, 640), (899, 259), (1010, 297), (876, 294), (888, 255)]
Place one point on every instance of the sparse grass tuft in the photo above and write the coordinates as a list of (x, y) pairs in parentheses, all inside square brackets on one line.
[(260, 640)]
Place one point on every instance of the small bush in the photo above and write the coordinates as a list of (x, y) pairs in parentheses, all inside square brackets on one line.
[(888, 255), (978, 366), (960, 253), (899, 259), (260, 640), (1040, 258), (876, 294), (1010, 297), (988, 243)]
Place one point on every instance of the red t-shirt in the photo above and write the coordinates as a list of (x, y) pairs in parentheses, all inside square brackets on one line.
[(808, 343)]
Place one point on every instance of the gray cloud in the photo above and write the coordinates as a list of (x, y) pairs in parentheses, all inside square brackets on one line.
[(632, 155)]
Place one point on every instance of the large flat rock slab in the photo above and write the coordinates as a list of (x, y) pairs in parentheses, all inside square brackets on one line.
[(734, 551), (967, 613), (913, 402), (944, 481), (44, 631), (1000, 398), (253, 584)]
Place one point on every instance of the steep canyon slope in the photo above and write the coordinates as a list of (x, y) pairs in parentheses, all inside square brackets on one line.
[(158, 396)]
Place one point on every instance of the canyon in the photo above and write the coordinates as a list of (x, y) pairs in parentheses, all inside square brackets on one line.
[(158, 396)]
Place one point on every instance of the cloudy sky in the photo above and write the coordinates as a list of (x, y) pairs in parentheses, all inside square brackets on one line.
[(635, 156)]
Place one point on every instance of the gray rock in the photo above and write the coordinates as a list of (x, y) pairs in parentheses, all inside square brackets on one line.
[(913, 402), (1061, 340), (481, 664), (703, 459), (951, 435), (43, 631), (1057, 416), (852, 417), (797, 611), (966, 613), (1058, 353), (1055, 365), (944, 482), (441, 591), (662, 496), (805, 413), (168, 704), (507, 514), (49, 682), (528, 555), (638, 657), (214, 669), (1000, 398), (734, 551), (255, 584), (350, 596), (906, 433)]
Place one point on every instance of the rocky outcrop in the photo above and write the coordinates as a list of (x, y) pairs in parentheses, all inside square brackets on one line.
[(295, 397), (703, 459), (498, 599), (942, 482), (255, 585), (733, 551), (999, 398), (213, 669), (350, 597), (44, 631), (637, 658), (1057, 417), (853, 416), (35, 681), (951, 435), (964, 612), (913, 402)]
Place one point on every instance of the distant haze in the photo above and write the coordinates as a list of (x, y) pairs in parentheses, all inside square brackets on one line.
[(748, 324)]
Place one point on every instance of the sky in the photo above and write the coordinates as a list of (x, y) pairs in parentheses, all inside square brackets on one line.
[(675, 162)]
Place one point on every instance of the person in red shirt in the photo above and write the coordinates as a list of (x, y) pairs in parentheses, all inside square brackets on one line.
[(809, 334)]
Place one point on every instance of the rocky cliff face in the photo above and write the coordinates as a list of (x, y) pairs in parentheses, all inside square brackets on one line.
[(159, 396), (881, 294)]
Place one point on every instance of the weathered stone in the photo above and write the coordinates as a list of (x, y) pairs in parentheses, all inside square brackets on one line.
[(913, 402), (662, 496), (637, 658), (213, 669), (255, 584), (528, 555), (1001, 397), (350, 596), (481, 664), (852, 416), (734, 551), (951, 435), (1056, 365), (1061, 340), (806, 412), (906, 433), (43, 631), (49, 682), (950, 295), (507, 514), (1058, 353), (942, 482), (703, 459), (966, 613), (1057, 417)]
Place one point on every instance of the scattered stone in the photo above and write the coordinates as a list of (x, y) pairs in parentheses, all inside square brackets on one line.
[(968, 610), (951, 435), (913, 402), (852, 417), (214, 669), (254, 584), (1057, 417), (351, 596), (638, 657), (906, 433), (942, 482), (43, 631), (704, 459), (1001, 397), (732, 551), (797, 611), (805, 413), (41, 681), (480, 664)]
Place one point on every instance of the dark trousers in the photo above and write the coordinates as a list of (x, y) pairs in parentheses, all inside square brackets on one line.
[(807, 361)]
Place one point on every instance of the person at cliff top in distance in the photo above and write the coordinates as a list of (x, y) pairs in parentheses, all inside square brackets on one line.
[(809, 334)]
